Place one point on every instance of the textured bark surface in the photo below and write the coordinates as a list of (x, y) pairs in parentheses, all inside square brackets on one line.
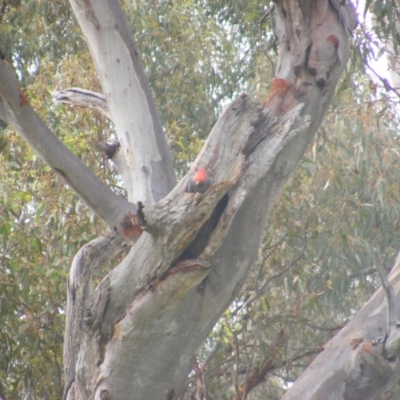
[(135, 336), (90, 257)]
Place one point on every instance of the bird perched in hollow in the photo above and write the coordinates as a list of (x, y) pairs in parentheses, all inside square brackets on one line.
[(199, 182)]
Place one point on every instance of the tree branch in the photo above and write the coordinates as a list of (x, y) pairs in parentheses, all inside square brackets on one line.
[(392, 343), (258, 375), (116, 211), (83, 98), (148, 171), (89, 258), (354, 364), (391, 319), (96, 102)]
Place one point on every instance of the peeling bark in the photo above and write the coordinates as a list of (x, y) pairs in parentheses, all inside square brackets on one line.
[(89, 258)]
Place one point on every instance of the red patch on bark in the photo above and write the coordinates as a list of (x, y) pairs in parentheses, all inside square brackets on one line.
[(130, 228), (367, 347), (334, 40), (23, 101), (279, 87), (281, 96)]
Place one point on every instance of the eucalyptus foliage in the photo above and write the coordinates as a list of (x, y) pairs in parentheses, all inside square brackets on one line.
[(315, 268)]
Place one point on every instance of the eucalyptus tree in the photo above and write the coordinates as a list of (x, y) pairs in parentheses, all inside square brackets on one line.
[(136, 334)]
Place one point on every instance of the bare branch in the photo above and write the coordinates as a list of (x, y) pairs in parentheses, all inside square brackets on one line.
[(391, 318), (3, 110), (147, 167), (259, 373), (95, 194), (83, 98), (96, 102)]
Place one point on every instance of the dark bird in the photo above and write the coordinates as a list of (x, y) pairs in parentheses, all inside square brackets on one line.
[(199, 182)]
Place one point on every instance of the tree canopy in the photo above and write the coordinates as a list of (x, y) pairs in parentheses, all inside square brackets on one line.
[(315, 268)]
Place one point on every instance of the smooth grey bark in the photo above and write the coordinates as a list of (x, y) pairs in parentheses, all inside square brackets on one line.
[(97, 102), (148, 174)]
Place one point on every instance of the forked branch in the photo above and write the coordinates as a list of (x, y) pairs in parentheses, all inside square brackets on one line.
[(146, 164), (16, 111)]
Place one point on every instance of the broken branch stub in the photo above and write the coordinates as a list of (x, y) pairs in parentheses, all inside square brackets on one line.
[(83, 98)]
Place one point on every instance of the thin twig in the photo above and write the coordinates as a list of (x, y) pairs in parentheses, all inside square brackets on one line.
[(237, 368), (389, 296)]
